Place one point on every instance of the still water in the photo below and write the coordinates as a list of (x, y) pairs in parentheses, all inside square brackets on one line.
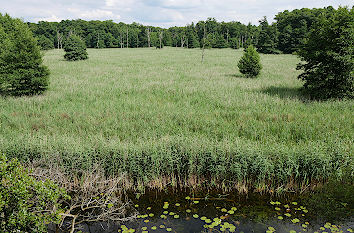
[(188, 212)]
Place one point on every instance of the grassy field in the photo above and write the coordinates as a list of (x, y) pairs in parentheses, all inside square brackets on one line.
[(154, 114)]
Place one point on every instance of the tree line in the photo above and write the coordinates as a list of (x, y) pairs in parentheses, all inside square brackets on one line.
[(285, 35), (108, 34)]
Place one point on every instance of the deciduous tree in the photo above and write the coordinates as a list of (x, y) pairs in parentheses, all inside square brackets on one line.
[(328, 56)]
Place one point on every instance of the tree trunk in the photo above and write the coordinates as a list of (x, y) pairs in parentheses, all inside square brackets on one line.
[(127, 38), (148, 31), (227, 36), (203, 44), (98, 40), (182, 41), (160, 37)]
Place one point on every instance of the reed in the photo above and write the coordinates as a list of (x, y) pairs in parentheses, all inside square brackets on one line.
[(163, 117)]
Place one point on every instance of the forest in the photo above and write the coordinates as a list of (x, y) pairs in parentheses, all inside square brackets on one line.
[(285, 35)]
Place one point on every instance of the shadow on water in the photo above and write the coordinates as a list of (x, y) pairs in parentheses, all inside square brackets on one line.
[(186, 212)]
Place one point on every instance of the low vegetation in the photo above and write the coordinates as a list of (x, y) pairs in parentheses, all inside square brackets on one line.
[(26, 205), (163, 118)]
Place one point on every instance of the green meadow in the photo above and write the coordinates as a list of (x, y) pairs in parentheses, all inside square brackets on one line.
[(162, 117)]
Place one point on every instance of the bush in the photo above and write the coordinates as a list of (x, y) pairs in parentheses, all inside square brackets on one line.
[(21, 68), (75, 49), (26, 205), (45, 43), (329, 56), (249, 64)]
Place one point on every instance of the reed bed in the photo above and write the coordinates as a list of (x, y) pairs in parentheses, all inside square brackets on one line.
[(161, 117)]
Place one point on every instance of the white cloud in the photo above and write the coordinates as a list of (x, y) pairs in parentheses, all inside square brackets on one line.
[(157, 12), (110, 3), (121, 4), (52, 18), (181, 3), (94, 14)]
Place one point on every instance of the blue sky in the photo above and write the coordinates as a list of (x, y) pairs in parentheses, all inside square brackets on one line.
[(162, 13)]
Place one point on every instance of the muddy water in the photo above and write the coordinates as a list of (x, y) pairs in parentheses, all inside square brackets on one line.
[(212, 212)]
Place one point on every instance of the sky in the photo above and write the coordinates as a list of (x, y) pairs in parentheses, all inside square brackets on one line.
[(163, 13)]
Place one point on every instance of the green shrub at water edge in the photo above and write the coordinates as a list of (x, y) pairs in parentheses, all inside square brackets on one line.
[(75, 49), (26, 205), (21, 69), (249, 64)]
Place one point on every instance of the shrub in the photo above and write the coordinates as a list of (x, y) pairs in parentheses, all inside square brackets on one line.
[(26, 205), (45, 43), (249, 64), (75, 49), (21, 68), (329, 56)]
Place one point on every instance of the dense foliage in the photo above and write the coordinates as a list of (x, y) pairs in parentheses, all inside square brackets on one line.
[(26, 205), (267, 40), (107, 34), (328, 54), (21, 69), (285, 35), (45, 43), (75, 49), (294, 26), (249, 63)]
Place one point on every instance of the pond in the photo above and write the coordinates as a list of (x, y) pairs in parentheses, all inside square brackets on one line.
[(190, 212)]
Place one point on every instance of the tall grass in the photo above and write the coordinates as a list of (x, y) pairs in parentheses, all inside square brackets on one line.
[(156, 113)]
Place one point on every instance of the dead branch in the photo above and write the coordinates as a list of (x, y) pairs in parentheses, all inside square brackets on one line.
[(94, 197)]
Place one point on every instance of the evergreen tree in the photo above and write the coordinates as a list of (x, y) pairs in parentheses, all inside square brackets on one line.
[(21, 68), (329, 57), (233, 43), (267, 38), (167, 38), (220, 42), (75, 49), (192, 38), (249, 64), (45, 43)]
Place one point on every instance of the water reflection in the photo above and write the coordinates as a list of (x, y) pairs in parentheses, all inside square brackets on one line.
[(186, 213)]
